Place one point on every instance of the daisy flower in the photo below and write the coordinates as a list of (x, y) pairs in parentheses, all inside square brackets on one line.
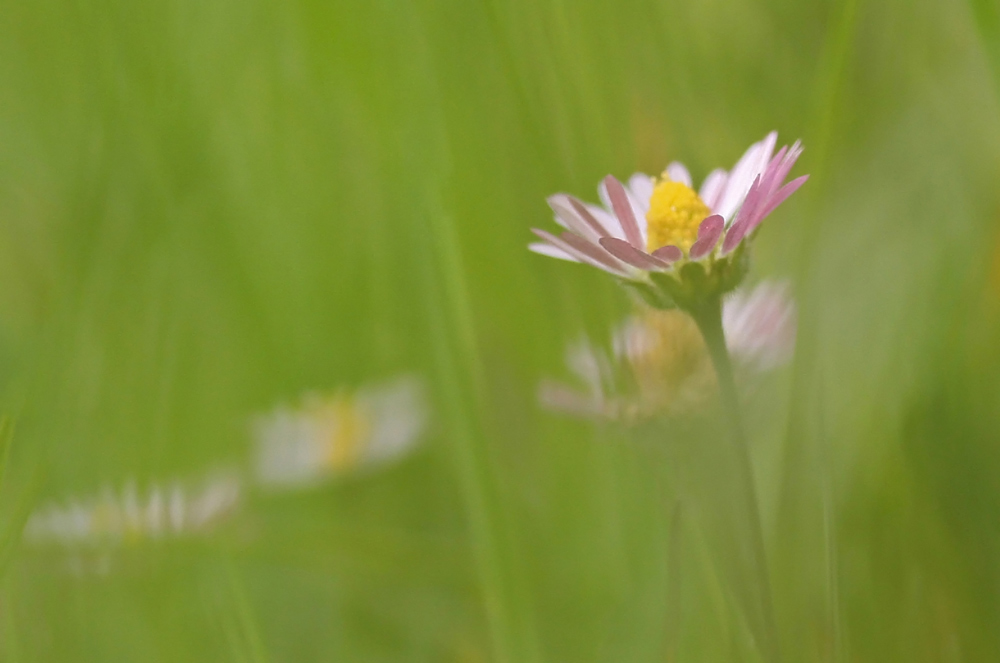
[(329, 435), (171, 509), (673, 245), (658, 362)]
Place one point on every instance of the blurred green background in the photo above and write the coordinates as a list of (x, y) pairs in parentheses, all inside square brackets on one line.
[(211, 206)]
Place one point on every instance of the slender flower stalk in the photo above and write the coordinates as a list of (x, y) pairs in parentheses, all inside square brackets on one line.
[(709, 320)]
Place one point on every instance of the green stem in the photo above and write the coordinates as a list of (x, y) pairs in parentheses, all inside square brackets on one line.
[(709, 320)]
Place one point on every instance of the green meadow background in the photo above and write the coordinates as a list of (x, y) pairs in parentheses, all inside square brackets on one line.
[(208, 207)]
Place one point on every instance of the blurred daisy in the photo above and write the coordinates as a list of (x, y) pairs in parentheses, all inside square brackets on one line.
[(126, 516), (658, 362), (673, 245), (329, 435)]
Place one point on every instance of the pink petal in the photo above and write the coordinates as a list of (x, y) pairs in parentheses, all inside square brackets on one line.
[(708, 236), (570, 219), (769, 181), (742, 221), (607, 263), (732, 240), (790, 158), (781, 195), (741, 225), (591, 227), (591, 250), (631, 255), (751, 164), (623, 210), (668, 253), (778, 170)]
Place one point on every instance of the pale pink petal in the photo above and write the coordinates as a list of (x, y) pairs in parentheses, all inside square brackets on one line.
[(767, 181), (593, 251), (708, 236), (605, 219), (668, 253), (623, 210), (750, 165), (639, 209), (712, 188), (631, 255), (786, 166), (760, 325), (579, 218), (677, 172), (741, 224), (751, 203), (608, 264), (570, 218), (546, 249), (780, 197)]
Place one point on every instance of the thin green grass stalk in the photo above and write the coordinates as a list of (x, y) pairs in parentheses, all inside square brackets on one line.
[(246, 621), (455, 354), (10, 535), (833, 71), (11, 640), (674, 573), (986, 14), (709, 320), (829, 532)]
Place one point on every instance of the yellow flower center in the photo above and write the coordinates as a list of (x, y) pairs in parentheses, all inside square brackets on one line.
[(347, 430), (675, 211), (672, 369)]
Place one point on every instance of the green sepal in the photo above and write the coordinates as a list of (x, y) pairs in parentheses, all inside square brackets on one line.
[(690, 284), (650, 294)]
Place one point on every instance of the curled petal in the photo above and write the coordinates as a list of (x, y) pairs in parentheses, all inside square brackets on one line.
[(623, 210), (708, 236), (631, 255)]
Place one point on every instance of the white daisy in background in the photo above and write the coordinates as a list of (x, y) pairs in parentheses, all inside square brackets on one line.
[(658, 363), (662, 238), (128, 516), (329, 435)]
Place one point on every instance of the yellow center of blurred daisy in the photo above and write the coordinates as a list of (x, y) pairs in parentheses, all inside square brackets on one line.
[(348, 432), (675, 211)]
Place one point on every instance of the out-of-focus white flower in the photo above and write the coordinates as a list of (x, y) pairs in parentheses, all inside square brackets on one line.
[(760, 325), (659, 364), (329, 435), (174, 509)]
